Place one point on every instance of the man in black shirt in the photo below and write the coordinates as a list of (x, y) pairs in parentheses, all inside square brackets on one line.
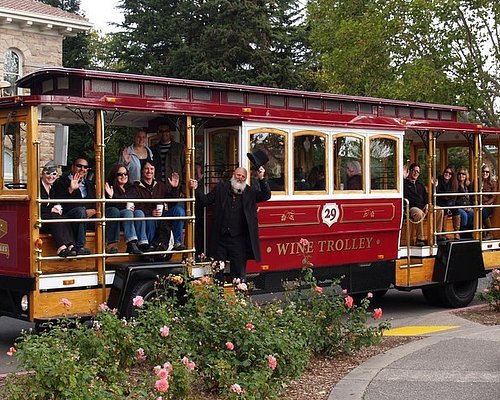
[(416, 194)]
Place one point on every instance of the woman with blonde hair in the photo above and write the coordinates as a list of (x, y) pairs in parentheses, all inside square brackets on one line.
[(487, 185), (463, 186)]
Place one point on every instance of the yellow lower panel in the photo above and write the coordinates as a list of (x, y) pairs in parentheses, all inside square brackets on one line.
[(418, 274), (417, 330), (83, 303), (491, 259)]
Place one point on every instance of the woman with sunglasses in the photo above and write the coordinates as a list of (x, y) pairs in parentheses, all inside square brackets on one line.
[(463, 186), (487, 185), (119, 187), (446, 184), (61, 232)]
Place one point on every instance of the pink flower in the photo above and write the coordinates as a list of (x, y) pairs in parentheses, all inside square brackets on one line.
[(304, 242), (162, 373), (11, 351), (369, 295), (161, 385), (202, 256), (229, 345), (65, 302), (486, 290), (168, 367), (159, 398), (318, 289), (137, 301), (189, 364), (377, 313), (249, 326), (164, 331), (271, 361), (205, 279), (103, 307), (344, 291), (497, 287), (236, 388), (498, 278), (242, 287), (139, 354), (349, 301)]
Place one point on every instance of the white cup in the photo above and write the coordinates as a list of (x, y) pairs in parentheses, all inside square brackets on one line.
[(130, 206), (159, 207), (58, 207)]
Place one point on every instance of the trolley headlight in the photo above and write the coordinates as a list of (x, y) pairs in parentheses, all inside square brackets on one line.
[(24, 303)]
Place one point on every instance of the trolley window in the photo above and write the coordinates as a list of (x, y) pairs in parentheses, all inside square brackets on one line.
[(309, 156), (273, 143), (383, 163), (348, 158), (14, 155)]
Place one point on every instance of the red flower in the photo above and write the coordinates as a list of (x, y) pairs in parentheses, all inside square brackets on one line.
[(377, 313), (349, 301)]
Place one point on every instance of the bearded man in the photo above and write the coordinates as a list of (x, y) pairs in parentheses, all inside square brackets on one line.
[(235, 231)]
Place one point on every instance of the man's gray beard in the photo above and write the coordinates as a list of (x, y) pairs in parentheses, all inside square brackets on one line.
[(237, 186)]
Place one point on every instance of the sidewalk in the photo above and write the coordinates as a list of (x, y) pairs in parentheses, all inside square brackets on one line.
[(462, 363)]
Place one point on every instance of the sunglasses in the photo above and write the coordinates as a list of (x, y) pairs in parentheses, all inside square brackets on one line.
[(486, 172), (461, 173), (121, 174), (50, 173), (82, 166), (448, 172), (415, 171)]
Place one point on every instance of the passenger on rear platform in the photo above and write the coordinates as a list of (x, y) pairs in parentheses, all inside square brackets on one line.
[(61, 232), (415, 192), (488, 185), (118, 186)]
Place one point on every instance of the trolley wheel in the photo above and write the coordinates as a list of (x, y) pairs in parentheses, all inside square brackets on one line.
[(458, 294), (145, 289), (432, 296)]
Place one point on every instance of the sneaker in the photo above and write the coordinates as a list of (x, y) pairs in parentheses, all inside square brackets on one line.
[(179, 247), (82, 251), (144, 247), (67, 253), (132, 248)]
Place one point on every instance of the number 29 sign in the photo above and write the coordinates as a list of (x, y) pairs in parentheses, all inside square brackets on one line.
[(330, 213)]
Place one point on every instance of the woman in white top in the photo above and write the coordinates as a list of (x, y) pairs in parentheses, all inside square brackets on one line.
[(132, 155)]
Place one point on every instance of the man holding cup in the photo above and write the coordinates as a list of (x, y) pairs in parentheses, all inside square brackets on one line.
[(148, 187)]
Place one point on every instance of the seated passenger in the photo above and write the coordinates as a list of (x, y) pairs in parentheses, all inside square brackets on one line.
[(158, 232), (488, 185), (446, 184), (76, 185), (119, 187), (464, 200), (316, 178), (61, 232), (416, 194), (354, 178)]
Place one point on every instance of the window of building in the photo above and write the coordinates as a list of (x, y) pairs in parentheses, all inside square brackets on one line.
[(273, 143), (348, 159), (309, 160), (12, 70), (383, 163)]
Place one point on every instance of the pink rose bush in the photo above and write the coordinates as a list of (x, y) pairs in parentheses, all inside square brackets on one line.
[(491, 294)]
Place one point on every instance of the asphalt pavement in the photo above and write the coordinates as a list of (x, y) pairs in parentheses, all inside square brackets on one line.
[(456, 359)]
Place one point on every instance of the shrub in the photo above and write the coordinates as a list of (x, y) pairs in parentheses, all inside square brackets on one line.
[(208, 340), (491, 294)]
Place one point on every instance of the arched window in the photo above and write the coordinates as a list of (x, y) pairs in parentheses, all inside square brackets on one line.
[(383, 163), (12, 70), (309, 160), (349, 165)]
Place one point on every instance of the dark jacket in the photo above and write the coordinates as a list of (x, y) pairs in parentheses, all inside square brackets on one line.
[(130, 193), (174, 162), (445, 187), (61, 191), (159, 190), (250, 197), (465, 199), (415, 193)]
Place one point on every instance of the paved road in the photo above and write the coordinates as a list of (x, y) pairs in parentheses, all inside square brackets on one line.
[(396, 305)]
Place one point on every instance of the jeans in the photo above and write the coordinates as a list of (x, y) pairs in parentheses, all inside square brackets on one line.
[(133, 230), (79, 229), (176, 210), (466, 218)]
